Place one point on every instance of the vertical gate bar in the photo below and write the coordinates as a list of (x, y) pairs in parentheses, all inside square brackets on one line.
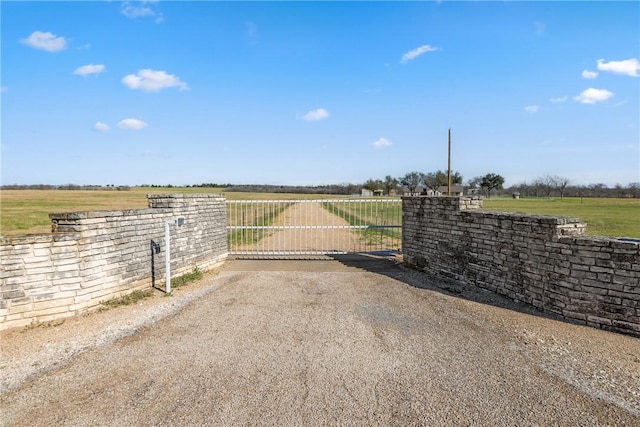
[(352, 216), (268, 219), (234, 237), (358, 219), (333, 235), (247, 210), (352, 220), (363, 214), (274, 210), (377, 219), (363, 241), (386, 222), (321, 232), (238, 231)]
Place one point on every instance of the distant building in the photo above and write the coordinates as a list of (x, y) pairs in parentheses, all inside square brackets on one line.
[(456, 190)]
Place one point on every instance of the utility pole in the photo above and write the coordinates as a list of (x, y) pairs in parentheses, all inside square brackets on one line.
[(449, 167)]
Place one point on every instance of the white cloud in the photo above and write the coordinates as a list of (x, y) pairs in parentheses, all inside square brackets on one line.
[(532, 108), (142, 11), (89, 69), (132, 124), (591, 96), (45, 41), (130, 11), (630, 67), (413, 54), (589, 74), (153, 81), (317, 114), (101, 127), (558, 100), (381, 143)]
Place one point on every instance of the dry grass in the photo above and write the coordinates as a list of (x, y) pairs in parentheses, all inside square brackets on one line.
[(27, 211)]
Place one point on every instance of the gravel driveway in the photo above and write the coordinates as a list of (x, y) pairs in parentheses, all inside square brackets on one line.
[(354, 341)]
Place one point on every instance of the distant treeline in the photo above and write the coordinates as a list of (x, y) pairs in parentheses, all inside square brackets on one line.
[(65, 187), (546, 186), (345, 189)]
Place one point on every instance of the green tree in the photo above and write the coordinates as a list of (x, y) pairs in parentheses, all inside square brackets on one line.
[(373, 184), (435, 180), (490, 181)]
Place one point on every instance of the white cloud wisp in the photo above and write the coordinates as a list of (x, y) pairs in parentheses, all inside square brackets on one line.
[(589, 74), (381, 143), (558, 100), (45, 41), (153, 81), (101, 127), (629, 67), (143, 11), (315, 115), (413, 54), (591, 96), (132, 124), (85, 70)]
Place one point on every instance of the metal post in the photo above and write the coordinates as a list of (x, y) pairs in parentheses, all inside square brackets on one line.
[(449, 167), (167, 254)]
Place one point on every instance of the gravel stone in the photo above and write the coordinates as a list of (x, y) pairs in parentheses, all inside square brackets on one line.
[(354, 340)]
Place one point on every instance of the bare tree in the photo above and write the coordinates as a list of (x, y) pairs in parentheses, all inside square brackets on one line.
[(561, 183), (430, 180), (547, 184), (411, 180), (390, 183)]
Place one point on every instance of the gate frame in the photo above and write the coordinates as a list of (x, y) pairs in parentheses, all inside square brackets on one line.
[(390, 222)]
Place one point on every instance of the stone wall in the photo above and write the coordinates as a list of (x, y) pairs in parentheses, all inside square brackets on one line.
[(544, 261), (95, 256)]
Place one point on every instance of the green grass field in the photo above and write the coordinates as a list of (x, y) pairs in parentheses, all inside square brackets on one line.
[(27, 211), (604, 217)]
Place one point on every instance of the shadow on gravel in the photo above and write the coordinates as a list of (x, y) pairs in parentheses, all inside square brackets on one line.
[(390, 264)]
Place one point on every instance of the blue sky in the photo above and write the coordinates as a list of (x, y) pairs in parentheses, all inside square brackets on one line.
[(311, 93)]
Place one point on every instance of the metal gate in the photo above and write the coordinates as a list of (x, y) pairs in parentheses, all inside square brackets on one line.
[(313, 227)]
